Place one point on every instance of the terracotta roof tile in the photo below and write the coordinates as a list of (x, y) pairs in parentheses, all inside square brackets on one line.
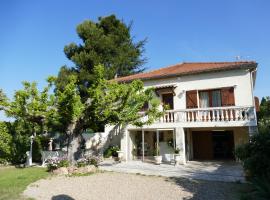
[(188, 68)]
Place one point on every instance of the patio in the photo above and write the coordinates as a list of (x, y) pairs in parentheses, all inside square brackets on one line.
[(227, 171)]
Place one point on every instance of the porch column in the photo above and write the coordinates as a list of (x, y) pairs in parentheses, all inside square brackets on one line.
[(180, 142), (142, 145), (174, 142), (157, 147), (124, 144)]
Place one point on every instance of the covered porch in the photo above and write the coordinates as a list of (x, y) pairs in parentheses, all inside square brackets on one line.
[(144, 144), (201, 144)]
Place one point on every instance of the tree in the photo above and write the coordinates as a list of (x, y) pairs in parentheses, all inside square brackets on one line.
[(120, 103), (70, 111), (29, 107), (107, 42), (5, 143), (264, 115), (109, 103)]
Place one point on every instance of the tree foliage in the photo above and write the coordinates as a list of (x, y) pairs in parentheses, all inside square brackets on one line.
[(29, 107), (5, 143), (107, 42), (120, 103), (264, 115)]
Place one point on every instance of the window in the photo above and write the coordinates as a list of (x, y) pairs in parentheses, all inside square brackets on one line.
[(210, 98), (167, 99)]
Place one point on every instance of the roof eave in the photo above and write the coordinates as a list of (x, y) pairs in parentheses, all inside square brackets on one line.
[(244, 66)]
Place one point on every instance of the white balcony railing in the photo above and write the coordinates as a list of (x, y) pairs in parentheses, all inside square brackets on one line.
[(217, 114)]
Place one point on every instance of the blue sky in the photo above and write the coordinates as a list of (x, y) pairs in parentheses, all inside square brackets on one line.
[(34, 33)]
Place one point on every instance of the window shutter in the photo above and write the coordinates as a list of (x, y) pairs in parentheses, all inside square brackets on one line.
[(228, 96), (191, 99), (257, 104)]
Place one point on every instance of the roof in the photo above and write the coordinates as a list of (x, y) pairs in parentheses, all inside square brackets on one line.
[(188, 68)]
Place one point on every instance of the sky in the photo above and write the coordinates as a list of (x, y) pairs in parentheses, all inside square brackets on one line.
[(33, 34)]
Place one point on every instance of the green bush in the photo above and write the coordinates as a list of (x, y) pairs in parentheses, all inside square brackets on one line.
[(63, 163), (111, 151), (57, 163), (5, 144), (20, 144), (255, 155)]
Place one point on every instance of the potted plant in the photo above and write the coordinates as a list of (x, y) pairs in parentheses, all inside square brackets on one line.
[(177, 156), (158, 158), (120, 155)]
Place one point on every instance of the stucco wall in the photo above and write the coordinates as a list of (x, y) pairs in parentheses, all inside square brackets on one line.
[(241, 136), (239, 79)]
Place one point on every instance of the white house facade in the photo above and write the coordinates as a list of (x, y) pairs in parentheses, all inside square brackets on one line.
[(211, 111)]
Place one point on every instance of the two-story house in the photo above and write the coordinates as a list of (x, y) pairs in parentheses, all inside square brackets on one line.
[(211, 111)]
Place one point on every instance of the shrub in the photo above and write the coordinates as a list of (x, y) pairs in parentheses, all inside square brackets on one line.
[(92, 160), (20, 144), (5, 144), (56, 163), (111, 151), (82, 162), (255, 155)]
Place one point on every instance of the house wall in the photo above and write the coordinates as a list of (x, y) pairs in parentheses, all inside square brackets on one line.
[(241, 136), (239, 79)]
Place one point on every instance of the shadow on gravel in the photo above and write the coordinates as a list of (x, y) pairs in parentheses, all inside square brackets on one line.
[(62, 197)]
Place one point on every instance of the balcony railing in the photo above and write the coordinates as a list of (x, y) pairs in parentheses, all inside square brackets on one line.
[(217, 114)]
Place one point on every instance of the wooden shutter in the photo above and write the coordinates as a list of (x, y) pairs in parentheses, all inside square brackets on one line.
[(227, 97), (257, 104), (191, 99)]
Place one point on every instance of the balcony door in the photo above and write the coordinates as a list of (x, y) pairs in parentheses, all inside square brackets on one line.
[(167, 99)]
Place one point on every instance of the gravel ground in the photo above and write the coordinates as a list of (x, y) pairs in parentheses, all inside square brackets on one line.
[(110, 186)]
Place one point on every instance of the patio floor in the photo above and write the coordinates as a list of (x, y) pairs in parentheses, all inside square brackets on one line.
[(227, 171)]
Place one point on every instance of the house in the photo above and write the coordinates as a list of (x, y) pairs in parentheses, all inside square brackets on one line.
[(211, 111)]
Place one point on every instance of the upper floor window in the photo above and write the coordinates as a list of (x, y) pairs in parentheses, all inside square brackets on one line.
[(210, 98), (167, 99)]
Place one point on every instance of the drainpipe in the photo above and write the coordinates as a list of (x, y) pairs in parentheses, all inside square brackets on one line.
[(142, 145), (252, 92)]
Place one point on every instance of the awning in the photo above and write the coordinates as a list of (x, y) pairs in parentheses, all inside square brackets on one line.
[(165, 89)]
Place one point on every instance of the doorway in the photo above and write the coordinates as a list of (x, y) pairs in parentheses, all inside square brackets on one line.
[(213, 145)]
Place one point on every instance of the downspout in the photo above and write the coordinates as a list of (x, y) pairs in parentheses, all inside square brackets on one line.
[(252, 92)]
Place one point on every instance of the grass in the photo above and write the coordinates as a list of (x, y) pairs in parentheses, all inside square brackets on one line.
[(13, 181)]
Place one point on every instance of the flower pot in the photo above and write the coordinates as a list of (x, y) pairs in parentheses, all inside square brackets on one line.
[(120, 155), (177, 159), (158, 159)]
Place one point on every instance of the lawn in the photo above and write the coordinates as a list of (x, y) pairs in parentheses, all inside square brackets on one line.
[(13, 181)]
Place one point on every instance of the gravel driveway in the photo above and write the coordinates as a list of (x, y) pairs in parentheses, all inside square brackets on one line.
[(110, 186)]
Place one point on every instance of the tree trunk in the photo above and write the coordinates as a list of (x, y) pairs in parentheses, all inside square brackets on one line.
[(74, 144)]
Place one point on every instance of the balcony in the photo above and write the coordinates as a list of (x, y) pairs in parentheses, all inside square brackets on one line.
[(202, 117)]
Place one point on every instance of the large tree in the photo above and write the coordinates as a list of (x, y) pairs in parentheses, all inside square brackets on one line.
[(107, 42), (109, 102)]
